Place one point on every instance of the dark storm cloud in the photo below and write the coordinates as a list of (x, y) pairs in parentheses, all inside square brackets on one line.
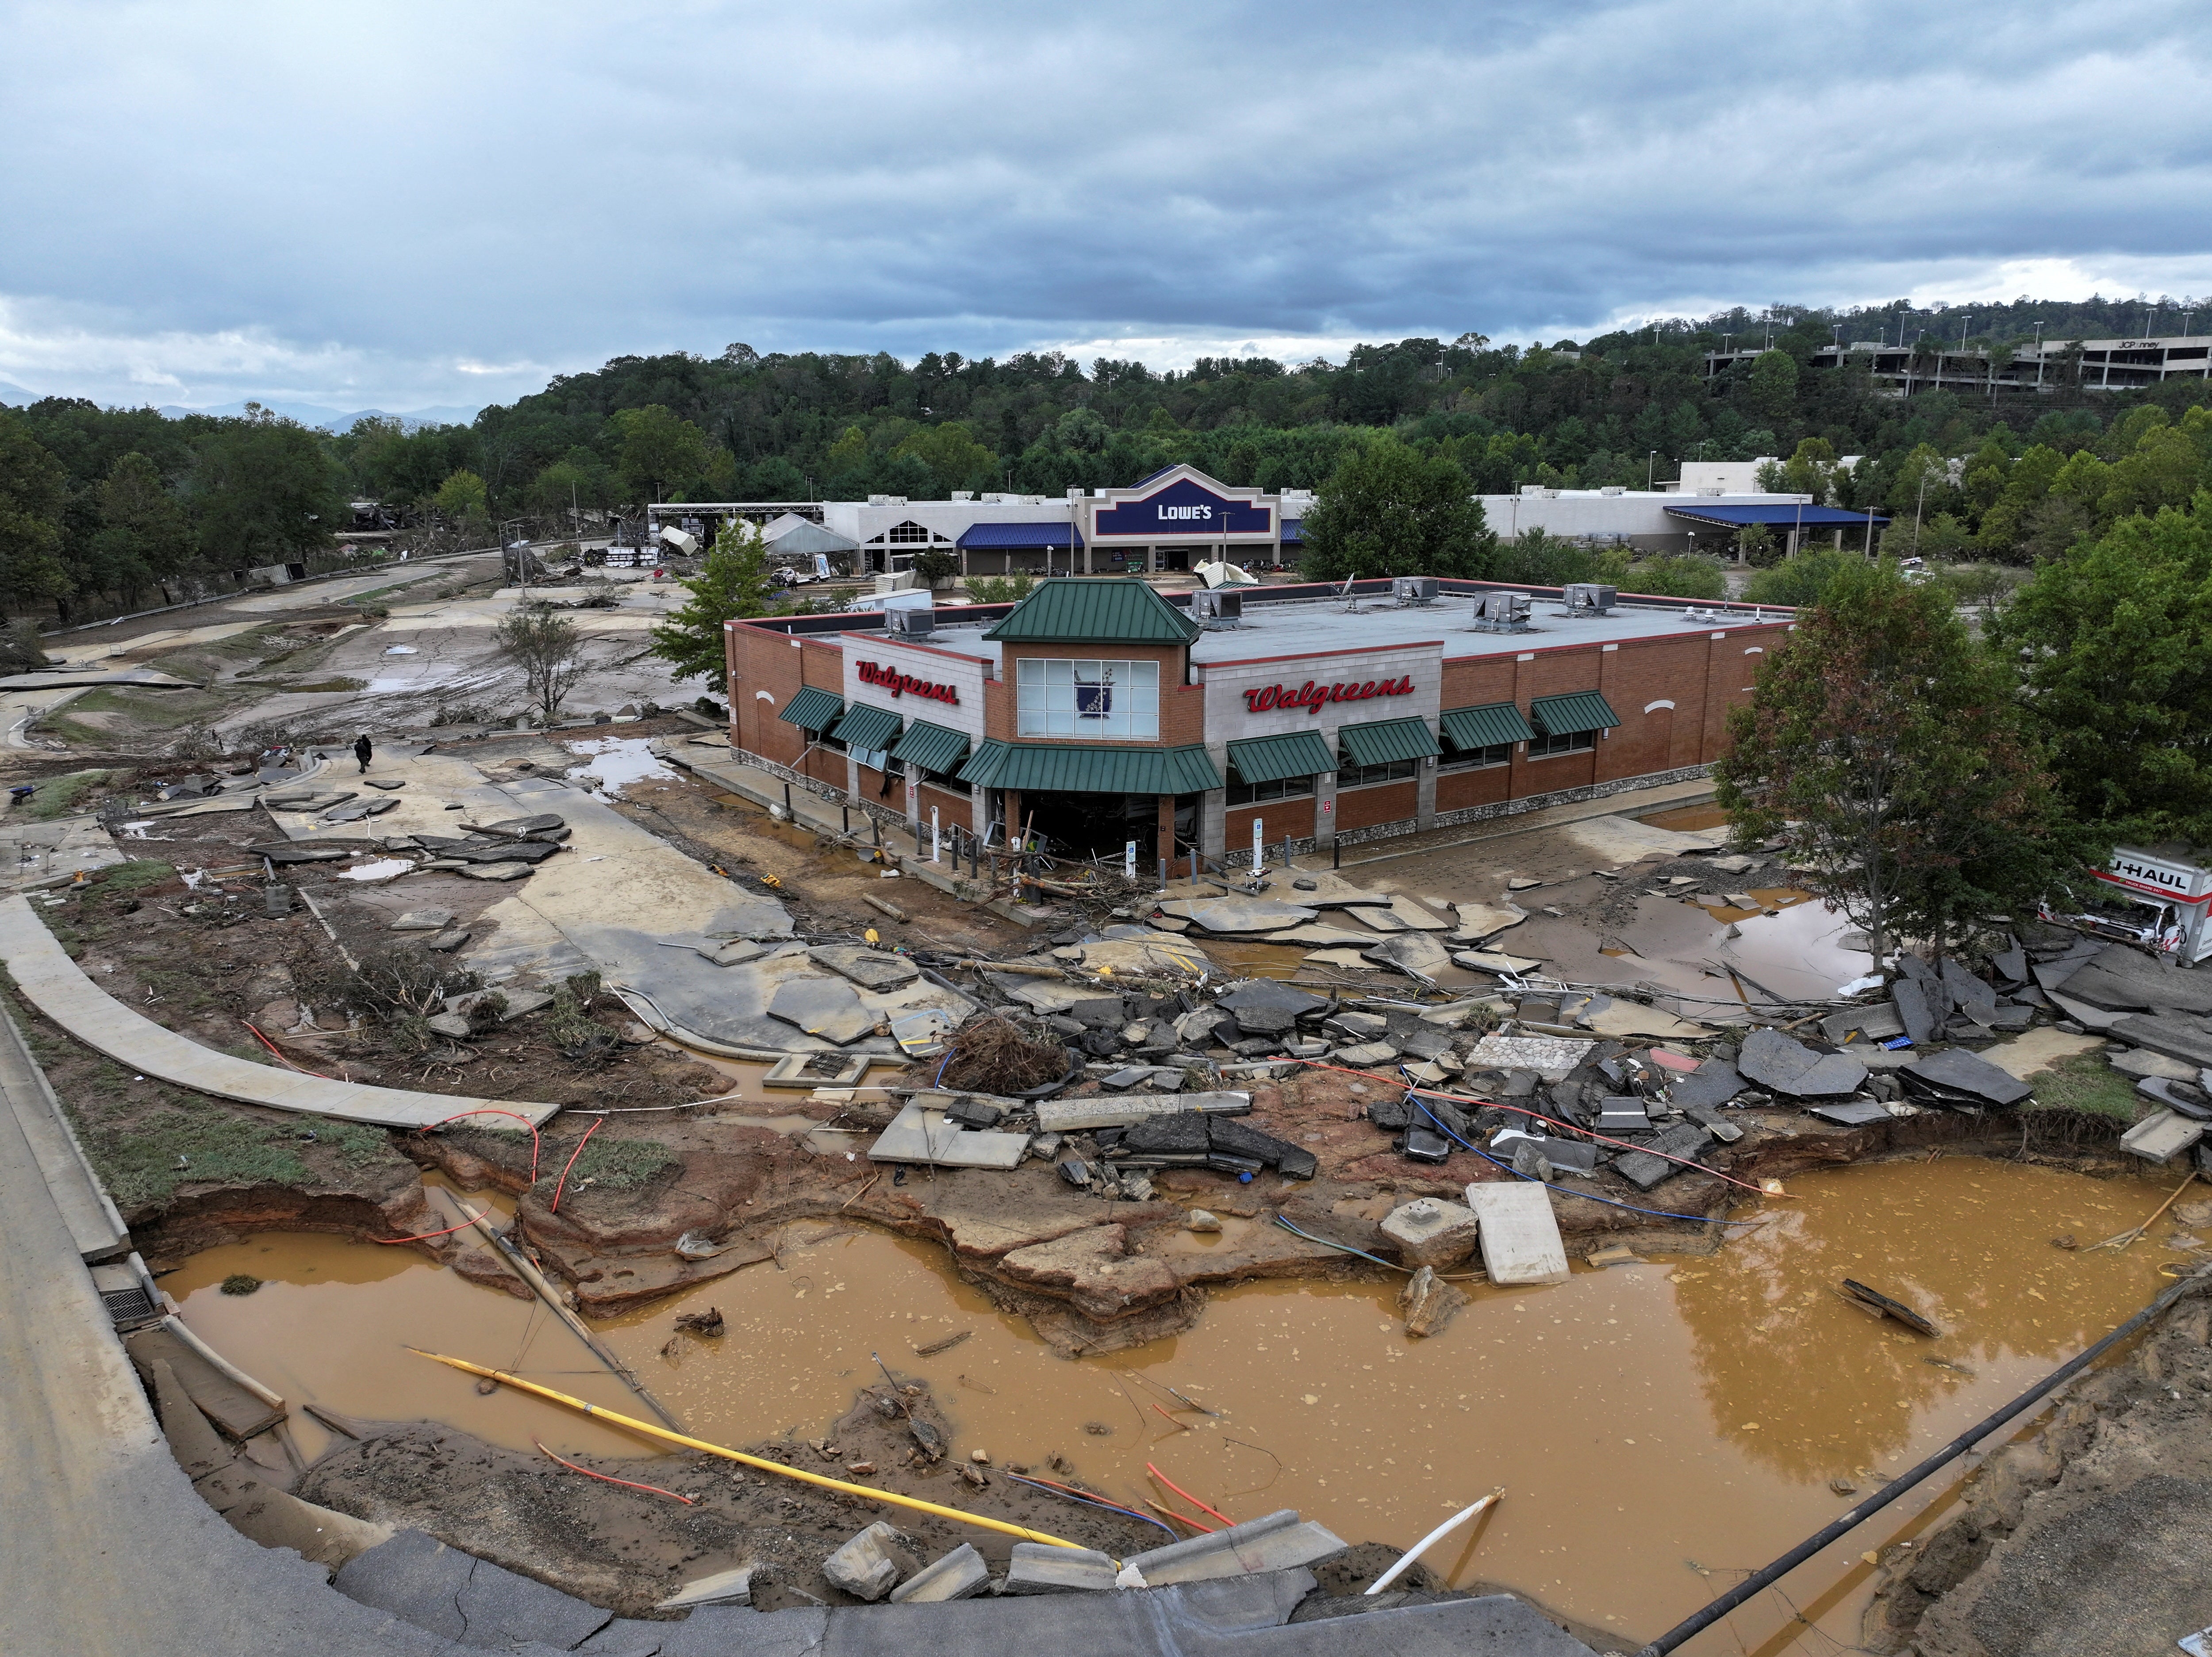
[(406, 204)]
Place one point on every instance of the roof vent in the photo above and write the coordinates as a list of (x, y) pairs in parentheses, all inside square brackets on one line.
[(1413, 589), (1502, 612), (1218, 609), (1589, 599), (909, 621)]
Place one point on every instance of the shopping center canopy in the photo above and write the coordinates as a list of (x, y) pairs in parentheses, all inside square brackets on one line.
[(1785, 514), (1020, 537)]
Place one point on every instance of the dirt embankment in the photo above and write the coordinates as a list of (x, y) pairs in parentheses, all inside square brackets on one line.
[(2095, 1535)]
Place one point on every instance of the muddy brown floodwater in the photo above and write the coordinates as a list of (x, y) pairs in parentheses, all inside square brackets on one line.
[(1660, 1428)]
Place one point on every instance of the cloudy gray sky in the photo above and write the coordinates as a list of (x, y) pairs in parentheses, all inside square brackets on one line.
[(401, 205)]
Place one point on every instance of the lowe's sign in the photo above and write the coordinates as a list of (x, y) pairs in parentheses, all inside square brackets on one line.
[(1183, 508)]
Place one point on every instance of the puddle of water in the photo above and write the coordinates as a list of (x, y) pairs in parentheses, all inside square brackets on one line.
[(1688, 819), (1641, 1418), (617, 761), (1797, 952)]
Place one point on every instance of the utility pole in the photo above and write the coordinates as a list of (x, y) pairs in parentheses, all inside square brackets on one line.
[(1650, 466)]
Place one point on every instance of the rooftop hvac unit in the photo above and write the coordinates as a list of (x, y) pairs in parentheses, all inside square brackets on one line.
[(1217, 607), (1502, 612), (909, 621), (1413, 589), (1589, 599)]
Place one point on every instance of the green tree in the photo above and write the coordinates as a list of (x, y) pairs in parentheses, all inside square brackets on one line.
[(462, 500), (264, 491), (1389, 510), (658, 451), (144, 535), (1889, 748), (1679, 575), (1543, 560), (32, 486), (733, 584), (545, 645), (2114, 640), (1772, 385), (955, 458), (1801, 581)]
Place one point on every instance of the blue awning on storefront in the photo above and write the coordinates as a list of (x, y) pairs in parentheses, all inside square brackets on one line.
[(1020, 537), (1785, 514)]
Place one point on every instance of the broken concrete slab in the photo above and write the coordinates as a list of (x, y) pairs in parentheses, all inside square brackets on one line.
[(1280, 1541), (825, 1007), (423, 921), (2166, 1134), (1955, 1070), (1366, 1054), (1418, 954), (2089, 1017), (1412, 914), (917, 1135), (1632, 1018), (2171, 1036), (1490, 960), (1650, 1166), (495, 870), (871, 969), (1850, 1113), (504, 1610), (729, 952), (1273, 993), (2141, 1062), (2125, 980), (1712, 1084), (958, 1574), (416, 1578), (1781, 1064), (1152, 957), (1380, 919), (864, 1567), (1519, 1235), (1036, 1568), (1879, 1022), (1551, 1057), (1077, 1115), (1236, 914), (1480, 921)]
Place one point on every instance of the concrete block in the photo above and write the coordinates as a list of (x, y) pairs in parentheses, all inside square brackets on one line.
[(1074, 1115), (1368, 1053), (1519, 1235), (1429, 1301), (1038, 1568), (423, 921), (2167, 1134), (723, 1587), (958, 1574), (1280, 1541), (864, 1567), (1432, 1233)]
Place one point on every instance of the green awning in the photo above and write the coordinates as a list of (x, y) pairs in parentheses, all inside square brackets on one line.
[(1573, 714), (1095, 609), (1080, 768), (869, 730), (1468, 728), (931, 747), (813, 710), (1380, 741), (1270, 759)]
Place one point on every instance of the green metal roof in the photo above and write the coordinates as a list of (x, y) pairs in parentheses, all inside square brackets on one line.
[(1575, 712), (1093, 610), (1484, 726), (1380, 741), (1080, 768), (931, 747), (813, 710), (871, 729), (1270, 759)]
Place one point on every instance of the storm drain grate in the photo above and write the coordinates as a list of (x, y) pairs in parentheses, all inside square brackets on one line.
[(128, 1306)]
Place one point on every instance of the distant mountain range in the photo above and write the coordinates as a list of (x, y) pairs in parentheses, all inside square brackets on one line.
[(307, 414)]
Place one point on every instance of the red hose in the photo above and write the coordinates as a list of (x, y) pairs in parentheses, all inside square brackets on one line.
[(571, 1162), (625, 1483), (1187, 1496), (489, 1111), (281, 1058)]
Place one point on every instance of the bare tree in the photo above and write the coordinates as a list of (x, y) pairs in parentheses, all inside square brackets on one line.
[(548, 649)]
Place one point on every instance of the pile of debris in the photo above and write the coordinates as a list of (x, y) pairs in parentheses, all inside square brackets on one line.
[(509, 850)]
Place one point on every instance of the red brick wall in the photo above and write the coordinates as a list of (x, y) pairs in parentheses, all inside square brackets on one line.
[(951, 808), (1278, 818), (1457, 790), (1363, 808)]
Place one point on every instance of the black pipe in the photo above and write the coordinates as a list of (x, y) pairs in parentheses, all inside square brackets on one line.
[(1812, 1544)]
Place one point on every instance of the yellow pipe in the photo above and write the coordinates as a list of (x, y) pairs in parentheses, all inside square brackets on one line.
[(867, 1492)]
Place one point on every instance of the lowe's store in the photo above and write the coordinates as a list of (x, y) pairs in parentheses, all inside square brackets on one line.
[(1098, 711)]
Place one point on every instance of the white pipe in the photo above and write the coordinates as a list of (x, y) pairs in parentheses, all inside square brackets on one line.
[(1432, 1539), (222, 1365)]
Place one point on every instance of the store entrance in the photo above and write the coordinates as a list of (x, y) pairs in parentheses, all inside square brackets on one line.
[(1083, 826)]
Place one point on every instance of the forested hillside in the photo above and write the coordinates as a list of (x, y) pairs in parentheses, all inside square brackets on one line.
[(98, 507)]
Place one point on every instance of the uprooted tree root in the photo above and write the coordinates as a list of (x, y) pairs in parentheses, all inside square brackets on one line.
[(990, 1055)]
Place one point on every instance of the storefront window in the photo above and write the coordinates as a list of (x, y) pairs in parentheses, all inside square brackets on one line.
[(948, 782), (1256, 793), (1573, 742), (1476, 759), (1361, 776), (1114, 700)]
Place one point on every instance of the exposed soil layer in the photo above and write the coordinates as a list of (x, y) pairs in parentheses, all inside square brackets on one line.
[(2093, 1535)]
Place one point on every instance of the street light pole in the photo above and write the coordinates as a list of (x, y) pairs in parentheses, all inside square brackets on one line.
[(1651, 465)]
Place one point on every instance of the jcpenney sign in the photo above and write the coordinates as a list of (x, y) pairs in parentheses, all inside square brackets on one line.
[(1313, 696), (905, 684)]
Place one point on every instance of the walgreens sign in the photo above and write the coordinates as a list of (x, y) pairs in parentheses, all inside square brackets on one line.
[(905, 684), (1314, 696)]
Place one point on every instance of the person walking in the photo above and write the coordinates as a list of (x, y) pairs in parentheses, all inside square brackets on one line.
[(362, 751)]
